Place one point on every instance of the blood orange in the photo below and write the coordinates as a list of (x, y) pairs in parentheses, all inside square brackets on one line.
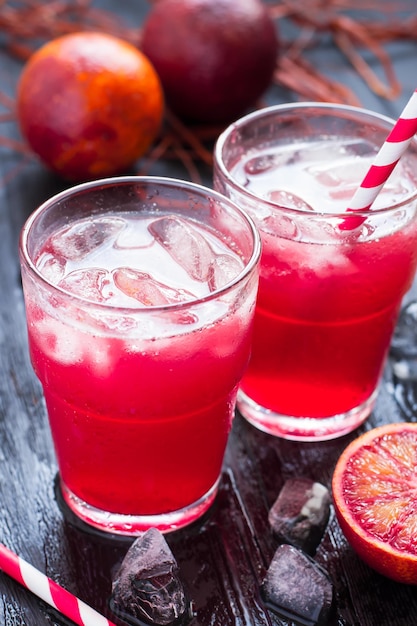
[(215, 58), (374, 491), (89, 104)]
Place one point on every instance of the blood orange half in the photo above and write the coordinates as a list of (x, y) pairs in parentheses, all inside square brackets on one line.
[(375, 497)]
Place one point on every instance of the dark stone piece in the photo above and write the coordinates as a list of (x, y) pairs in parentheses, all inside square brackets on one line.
[(300, 513), (147, 586), (297, 588)]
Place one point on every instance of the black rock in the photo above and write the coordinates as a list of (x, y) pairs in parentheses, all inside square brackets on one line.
[(147, 586), (300, 513), (297, 588)]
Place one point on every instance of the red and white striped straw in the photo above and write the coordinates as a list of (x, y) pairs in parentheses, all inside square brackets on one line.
[(387, 158), (49, 591)]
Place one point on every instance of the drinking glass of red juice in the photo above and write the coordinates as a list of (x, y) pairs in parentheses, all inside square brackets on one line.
[(330, 288), (140, 295)]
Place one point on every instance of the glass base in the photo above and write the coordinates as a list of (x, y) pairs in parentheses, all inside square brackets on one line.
[(133, 525), (304, 428)]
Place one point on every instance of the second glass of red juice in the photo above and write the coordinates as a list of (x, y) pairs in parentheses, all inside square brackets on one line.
[(330, 288), (140, 296)]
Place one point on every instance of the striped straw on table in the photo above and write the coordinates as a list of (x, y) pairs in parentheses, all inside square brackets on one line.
[(49, 591)]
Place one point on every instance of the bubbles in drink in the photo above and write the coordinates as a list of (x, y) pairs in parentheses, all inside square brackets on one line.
[(75, 242)]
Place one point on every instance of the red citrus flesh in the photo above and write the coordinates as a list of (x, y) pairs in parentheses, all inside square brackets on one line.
[(375, 498)]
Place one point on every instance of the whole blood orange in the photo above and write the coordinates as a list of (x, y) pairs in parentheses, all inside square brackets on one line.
[(89, 104), (214, 57), (374, 491)]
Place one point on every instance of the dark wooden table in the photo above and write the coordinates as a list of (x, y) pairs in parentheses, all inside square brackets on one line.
[(224, 557)]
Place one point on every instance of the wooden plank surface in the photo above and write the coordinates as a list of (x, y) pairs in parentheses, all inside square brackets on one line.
[(222, 558)]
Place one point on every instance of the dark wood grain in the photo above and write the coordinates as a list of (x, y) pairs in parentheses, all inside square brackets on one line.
[(224, 556)]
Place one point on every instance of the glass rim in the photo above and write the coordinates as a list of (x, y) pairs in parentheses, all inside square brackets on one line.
[(162, 181), (325, 106)]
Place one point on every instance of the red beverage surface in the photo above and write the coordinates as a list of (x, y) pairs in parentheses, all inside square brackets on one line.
[(139, 424), (328, 299), (320, 342), (147, 436)]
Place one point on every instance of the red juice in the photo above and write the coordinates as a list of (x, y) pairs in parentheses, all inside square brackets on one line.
[(320, 342), (328, 297), (161, 458), (140, 387)]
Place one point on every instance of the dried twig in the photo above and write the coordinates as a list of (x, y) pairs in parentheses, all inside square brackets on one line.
[(355, 26), (26, 23), (350, 34), (16, 146), (189, 138), (301, 77)]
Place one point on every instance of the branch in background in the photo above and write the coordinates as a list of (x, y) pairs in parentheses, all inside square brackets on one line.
[(298, 75), (355, 26)]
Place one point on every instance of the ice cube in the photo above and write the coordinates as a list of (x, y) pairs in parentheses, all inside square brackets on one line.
[(297, 588), (279, 225), (394, 191), (300, 513), (142, 287), (51, 267), (69, 346), (91, 283), (223, 270), (78, 240), (323, 152), (59, 341), (133, 237), (147, 585), (347, 174), (288, 199), (185, 244), (263, 163)]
